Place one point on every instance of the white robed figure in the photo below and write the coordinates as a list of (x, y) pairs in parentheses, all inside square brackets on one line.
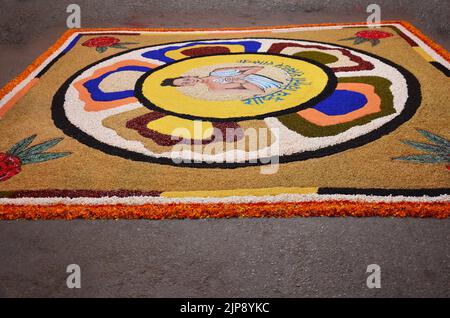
[(229, 75), (238, 79)]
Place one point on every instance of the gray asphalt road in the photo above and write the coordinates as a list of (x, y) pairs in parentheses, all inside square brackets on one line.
[(228, 258)]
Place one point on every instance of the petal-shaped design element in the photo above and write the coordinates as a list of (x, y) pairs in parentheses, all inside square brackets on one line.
[(100, 92), (162, 53), (205, 49), (166, 130), (349, 102), (352, 104), (346, 60)]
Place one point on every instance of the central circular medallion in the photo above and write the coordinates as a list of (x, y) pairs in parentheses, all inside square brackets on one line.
[(297, 99), (235, 86)]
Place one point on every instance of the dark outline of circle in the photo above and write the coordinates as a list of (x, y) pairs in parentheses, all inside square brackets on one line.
[(411, 106), (326, 92)]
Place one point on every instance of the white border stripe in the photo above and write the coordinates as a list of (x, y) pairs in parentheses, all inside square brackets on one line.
[(282, 198)]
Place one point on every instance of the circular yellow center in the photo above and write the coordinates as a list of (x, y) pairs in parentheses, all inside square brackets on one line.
[(302, 82)]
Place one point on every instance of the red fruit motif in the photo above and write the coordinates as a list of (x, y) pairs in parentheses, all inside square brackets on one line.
[(372, 36), (9, 166), (102, 43)]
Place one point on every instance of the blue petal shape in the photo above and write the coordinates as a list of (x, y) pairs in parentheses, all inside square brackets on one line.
[(341, 102), (100, 96)]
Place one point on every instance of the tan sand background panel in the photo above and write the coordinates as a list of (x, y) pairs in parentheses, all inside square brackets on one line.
[(366, 166)]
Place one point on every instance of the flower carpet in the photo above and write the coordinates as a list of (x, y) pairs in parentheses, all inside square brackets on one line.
[(312, 120)]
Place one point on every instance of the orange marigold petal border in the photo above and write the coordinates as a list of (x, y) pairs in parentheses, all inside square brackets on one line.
[(249, 210)]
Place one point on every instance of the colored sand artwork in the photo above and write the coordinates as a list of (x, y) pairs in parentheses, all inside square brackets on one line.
[(313, 120)]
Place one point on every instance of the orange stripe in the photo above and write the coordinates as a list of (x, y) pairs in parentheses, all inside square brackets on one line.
[(218, 210), (17, 96), (41, 59)]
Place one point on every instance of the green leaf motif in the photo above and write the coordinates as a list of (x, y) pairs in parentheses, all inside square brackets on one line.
[(359, 41), (119, 46), (41, 157), (428, 147), (21, 145), (435, 138), (126, 43), (101, 49), (424, 158), (375, 41), (39, 148)]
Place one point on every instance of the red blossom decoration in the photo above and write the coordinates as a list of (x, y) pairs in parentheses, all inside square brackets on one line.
[(22, 153), (102, 41), (9, 166), (373, 34)]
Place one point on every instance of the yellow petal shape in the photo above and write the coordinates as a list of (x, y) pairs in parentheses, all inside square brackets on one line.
[(182, 128)]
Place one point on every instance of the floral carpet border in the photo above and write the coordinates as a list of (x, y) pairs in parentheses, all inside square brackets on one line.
[(254, 203), (219, 210)]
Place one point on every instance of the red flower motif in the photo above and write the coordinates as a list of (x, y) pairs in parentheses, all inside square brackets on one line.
[(373, 34), (103, 41), (9, 166), (22, 153)]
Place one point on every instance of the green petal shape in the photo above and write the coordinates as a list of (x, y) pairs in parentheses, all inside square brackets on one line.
[(317, 56)]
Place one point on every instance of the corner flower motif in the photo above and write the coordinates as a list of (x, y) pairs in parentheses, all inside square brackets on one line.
[(20, 154), (372, 36), (101, 44)]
